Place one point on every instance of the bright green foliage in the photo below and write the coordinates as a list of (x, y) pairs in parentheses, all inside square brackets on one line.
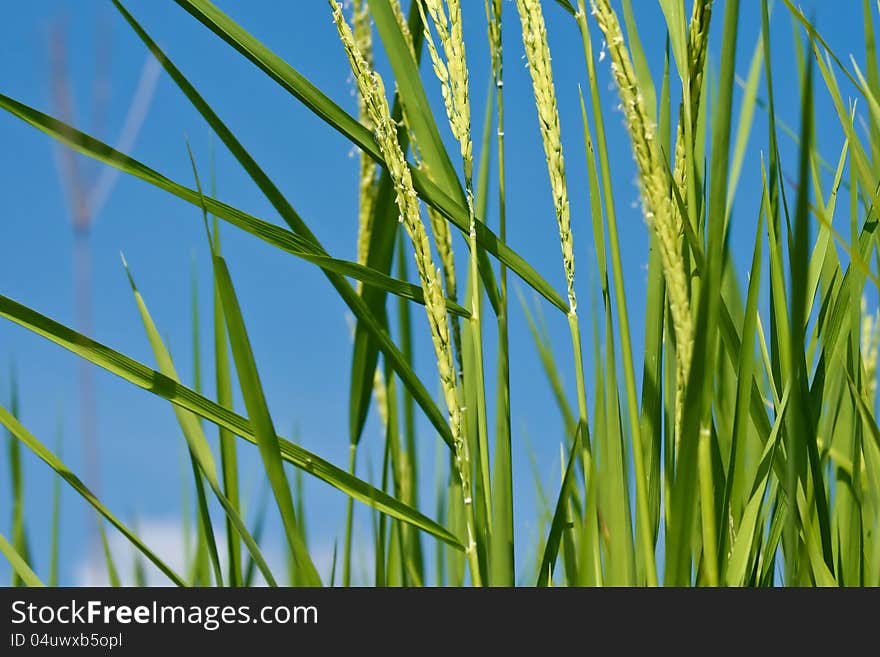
[(743, 449)]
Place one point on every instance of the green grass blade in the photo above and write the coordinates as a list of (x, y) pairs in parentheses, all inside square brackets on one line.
[(651, 416), (228, 455), (420, 118), (379, 257), (548, 362), (200, 452), (710, 296), (333, 565), (284, 208), (744, 129), (692, 467), (112, 572), (206, 537), (19, 432), (281, 72), (503, 561), (443, 200), (18, 563), (349, 520), (646, 555), (275, 236), (560, 521), (362, 369), (207, 542), (16, 480), (567, 6), (674, 12), (741, 549), (806, 454), (734, 491), (183, 397), (640, 61), (474, 375), (267, 440), (407, 452), (614, 495), (55, 536), (873, 78)]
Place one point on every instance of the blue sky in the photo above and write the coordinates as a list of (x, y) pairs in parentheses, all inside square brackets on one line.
[(300, 329)]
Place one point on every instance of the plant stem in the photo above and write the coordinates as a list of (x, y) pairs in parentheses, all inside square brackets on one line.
[(349, 514), (645, 535)]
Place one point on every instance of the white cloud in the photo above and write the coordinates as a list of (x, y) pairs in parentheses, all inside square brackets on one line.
[(165, 537)]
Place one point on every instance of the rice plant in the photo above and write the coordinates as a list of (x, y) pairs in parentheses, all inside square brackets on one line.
[(730, 441)]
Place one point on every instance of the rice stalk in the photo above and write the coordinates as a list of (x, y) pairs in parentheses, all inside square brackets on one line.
[(502, 562), (658, 207), (777, 476), (16, 480), (404, 26), (371, 86), (451, 70), (438, 223), (452, 74), (698, 44), (369, 176), (369, 170), (538, 55), (644, 429), (534, 35), (443, 242), (870, 334)]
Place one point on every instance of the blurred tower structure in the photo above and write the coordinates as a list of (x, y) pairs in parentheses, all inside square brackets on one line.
[(87, 185)]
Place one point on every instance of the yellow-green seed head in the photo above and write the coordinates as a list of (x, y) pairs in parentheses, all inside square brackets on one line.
[(538, 55), (660, 210), (451, 70), (369, 170), (371, 87)]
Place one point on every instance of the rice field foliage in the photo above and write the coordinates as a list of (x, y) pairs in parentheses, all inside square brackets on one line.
[(731, 440)]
